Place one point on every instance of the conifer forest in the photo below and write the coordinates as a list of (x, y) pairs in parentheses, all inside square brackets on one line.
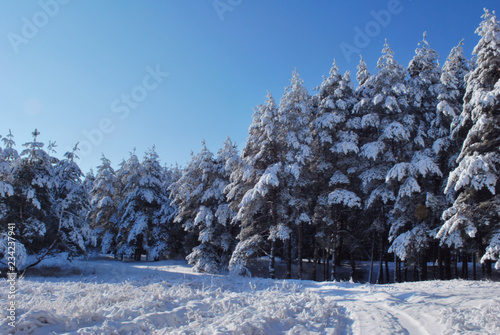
[(394, 165)]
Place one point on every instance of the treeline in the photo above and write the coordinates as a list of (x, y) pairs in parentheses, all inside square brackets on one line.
[(404, 167)]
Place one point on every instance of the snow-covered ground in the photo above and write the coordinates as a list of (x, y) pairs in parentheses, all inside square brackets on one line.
[(110, 297)]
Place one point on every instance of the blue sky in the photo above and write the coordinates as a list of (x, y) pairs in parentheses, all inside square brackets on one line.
[(115, 75)]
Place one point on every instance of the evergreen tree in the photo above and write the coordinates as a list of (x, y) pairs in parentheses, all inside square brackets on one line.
[(141, 231), (130, 244), (475, 212), (156, 206), (384, 129), (446, 146), (72, 204), (203, 208), (46, 201), (335, 148), (253, 191), (103, 216), (416, 177)]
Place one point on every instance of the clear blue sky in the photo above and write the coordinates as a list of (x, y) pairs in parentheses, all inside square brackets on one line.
[(85, 65)]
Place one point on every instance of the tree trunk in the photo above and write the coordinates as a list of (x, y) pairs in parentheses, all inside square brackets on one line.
[(396, 277), (325, 266), (300, 248), (465, 266), (370, 276), (272, 263), (455, 264), (387, 270), (288, 257), (354, 273), (474, 270), (488, 268), (423, 275), (447, 263), (333, 273), (440, 263), (317, 260), (380, 279)]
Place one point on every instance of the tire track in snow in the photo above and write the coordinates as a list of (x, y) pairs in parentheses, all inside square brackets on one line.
[(410, 325), (371, 320), (377, 311)]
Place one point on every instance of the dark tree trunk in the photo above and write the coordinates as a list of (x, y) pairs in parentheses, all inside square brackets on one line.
[(317, 260), (333, 273), (272, 263), (325, 264), (455, 264), (447, 263), (354, 273), (380, 279), (288, 257), (424, 266), (370, 276), (465, 266), (387, 270), (474, 270), (440, 263), (300, 248), (397, 270), (488, 268)]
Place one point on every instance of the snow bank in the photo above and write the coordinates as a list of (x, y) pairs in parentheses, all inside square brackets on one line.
[(132, 308), (168, 298)]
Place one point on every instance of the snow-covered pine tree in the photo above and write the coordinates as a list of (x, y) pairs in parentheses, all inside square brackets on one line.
[(446, 147), (129, 175), (8, 157), (475, 212), (71, 204), (140, 229), (31, 206), (89, 180), (363, 73), (335, 148), (157, 206), (103, 216), (294, 115), (253, 191), (384, 129), (186, 193), (203, 208), (48, 203), (173, 234), (416, 178)]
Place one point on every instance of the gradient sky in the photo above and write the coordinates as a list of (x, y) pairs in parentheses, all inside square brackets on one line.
[(85, 66)]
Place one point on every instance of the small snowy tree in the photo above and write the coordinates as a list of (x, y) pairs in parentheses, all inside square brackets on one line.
[(47, 202), (203, 208), (103, 216), (140, 228), (72, 205)]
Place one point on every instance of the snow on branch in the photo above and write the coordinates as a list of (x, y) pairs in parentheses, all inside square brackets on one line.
[(344, 197)]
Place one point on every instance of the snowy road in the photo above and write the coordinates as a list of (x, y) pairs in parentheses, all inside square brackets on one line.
[(111, 297)]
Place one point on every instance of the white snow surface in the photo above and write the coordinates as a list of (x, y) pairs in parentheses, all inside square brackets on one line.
[(167, 297)]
